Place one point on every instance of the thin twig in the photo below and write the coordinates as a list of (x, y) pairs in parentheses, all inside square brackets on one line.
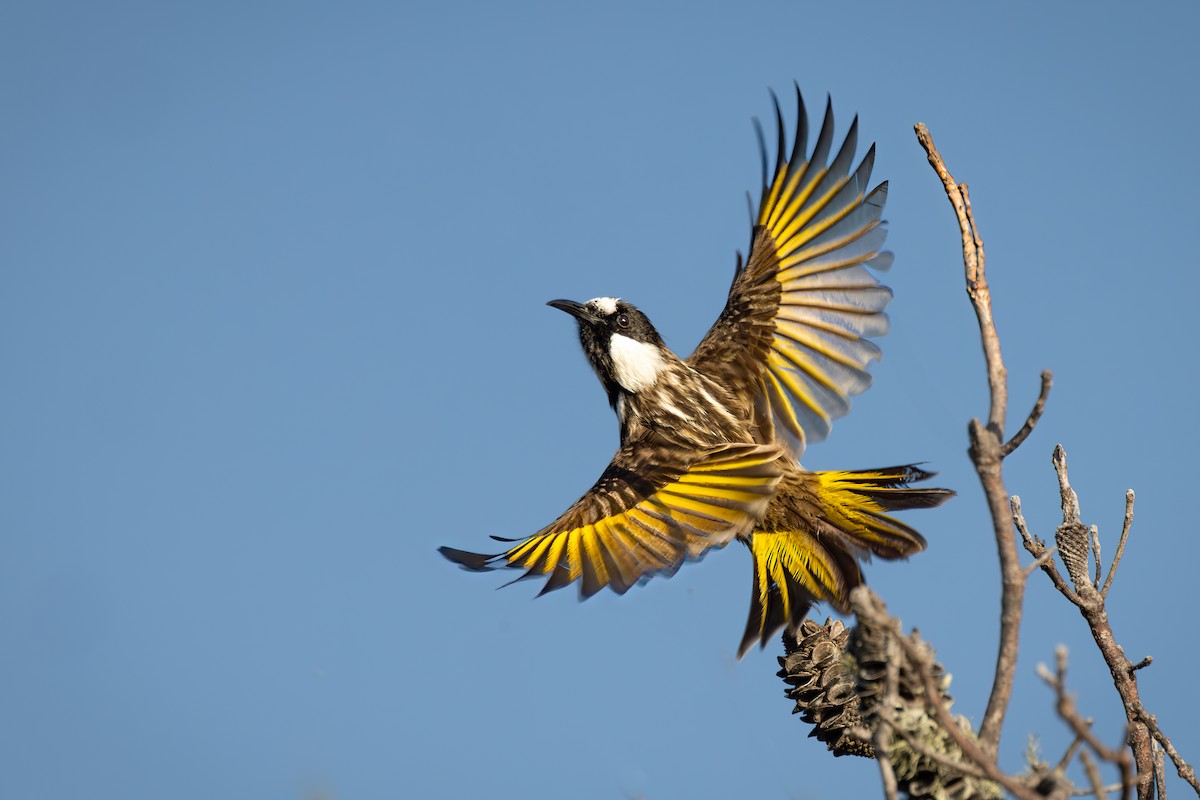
[(987, 449), (1094, 532), (1032, 420), (1112, 570), (1145, 662), (1093, 773), (1039, 562), (1070, 500), (1112, 787), (1160, 772), (1014, 504), (882, 740), (969, 748), (1182, 767), (1038, 550), (975, 264), (867, 605), (1090, 603), (1067, 756), (1065, 706)]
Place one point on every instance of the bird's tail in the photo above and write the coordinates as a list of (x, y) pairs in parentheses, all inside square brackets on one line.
[(816, 557)]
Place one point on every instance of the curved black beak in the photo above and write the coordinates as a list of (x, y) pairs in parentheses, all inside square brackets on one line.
[(577, 310)]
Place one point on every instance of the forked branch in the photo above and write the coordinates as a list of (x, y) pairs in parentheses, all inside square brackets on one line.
[(988, 448)]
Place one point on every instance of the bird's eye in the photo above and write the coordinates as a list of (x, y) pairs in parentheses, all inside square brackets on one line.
[(623, 320)]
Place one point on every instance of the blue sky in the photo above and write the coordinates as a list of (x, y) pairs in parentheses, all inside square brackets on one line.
[(272, 328)]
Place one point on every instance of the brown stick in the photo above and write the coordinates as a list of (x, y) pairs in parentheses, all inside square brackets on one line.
[(988, 449), (1093, 773), (1112, 571), (866, 605), (1032, 420), (974, 261), (882, 741), (1184, 769), (1037, 548), (1090, 603), (1160, 773), (1065, 706)]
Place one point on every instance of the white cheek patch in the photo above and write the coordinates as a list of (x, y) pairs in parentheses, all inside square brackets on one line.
[(635, 364), (605, 305)]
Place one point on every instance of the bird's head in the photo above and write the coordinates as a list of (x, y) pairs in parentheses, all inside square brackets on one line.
[(624, 349)]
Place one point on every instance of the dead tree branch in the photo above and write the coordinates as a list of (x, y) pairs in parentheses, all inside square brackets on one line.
[(1065, 705), (988, 448), (1184, 769), (874, 692)]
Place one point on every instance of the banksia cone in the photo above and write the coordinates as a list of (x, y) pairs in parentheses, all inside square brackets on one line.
[(822, 680)]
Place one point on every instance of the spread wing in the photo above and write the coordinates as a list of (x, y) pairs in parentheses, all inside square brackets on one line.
[(645, 516), (794, 334)]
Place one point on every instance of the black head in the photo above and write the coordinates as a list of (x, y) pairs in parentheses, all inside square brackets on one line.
[(620, 343)]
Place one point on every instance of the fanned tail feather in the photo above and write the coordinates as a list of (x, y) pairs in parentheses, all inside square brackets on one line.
[(795, 568), (854, 503), (792, 570)]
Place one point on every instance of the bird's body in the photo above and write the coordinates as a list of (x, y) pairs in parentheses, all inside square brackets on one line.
[(710, 444)]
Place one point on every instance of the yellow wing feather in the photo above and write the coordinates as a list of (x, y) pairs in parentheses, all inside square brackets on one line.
[(817, 227), (720, 496)]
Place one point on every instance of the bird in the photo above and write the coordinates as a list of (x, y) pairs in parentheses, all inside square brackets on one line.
[(710, 445)]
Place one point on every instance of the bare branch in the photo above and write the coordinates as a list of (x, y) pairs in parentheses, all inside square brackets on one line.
[(1095, 535), (867, 606), (1090, 603), (1145, 662), (1038, 550), (1160, 772), (1184, 769), (987, 451), (1082, 728), (882, 741), (1032, 420), (1070, 500), (974, 261), (1108, 789), (1112, 571), (1040, 562), (1067, 756), (1018, 518), (1093, 773)]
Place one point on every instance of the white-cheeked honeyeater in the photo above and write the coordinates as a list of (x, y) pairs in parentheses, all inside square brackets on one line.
[(710, 443)]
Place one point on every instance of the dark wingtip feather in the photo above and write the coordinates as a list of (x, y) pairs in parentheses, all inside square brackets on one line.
[(820, 153), (780, 135), (863, 173), (762, 150), (800, 145), (560, 576), (849, 144), (475, 562)]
